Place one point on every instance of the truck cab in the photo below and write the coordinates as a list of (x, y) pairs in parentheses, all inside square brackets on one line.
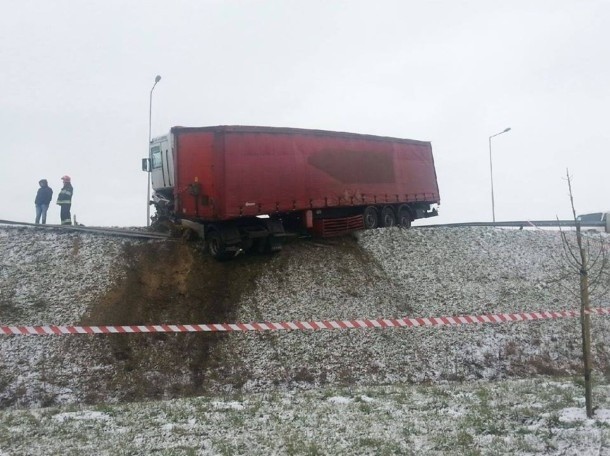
[(161, 162), (598, 221), (160, 165)]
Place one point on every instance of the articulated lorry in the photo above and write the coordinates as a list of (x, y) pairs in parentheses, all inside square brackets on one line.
[(241, 187)]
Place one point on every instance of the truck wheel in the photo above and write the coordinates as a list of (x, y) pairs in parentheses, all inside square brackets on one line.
[(371, 218), (404, 217), (388, 217), (216, 246)]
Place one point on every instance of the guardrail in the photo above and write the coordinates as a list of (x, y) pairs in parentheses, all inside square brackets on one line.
[(124, 232), (510, 224), (526, 224)]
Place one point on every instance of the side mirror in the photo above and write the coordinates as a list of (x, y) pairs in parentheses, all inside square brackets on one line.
[(146, 164)]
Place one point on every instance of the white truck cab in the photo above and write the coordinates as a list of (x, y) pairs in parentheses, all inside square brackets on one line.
[(160, 162), (596, 217)]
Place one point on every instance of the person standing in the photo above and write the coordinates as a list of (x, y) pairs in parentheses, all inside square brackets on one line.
[(64, 199), (42, 201)]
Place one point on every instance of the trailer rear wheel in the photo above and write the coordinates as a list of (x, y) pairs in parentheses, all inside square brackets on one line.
[(388, 217), (371, 218), (404, 217)]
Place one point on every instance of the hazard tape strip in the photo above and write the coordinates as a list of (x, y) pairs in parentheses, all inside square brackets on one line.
[(53, 330)]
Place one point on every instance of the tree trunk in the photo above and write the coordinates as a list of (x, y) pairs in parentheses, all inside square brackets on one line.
[(585, 322)]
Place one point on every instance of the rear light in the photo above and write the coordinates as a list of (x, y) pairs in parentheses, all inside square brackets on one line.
[(308, 219)]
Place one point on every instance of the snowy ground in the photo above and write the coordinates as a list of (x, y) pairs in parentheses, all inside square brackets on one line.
[(395, 391), (502, 418)]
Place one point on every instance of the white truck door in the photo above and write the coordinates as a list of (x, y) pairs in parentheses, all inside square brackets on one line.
[(162, 166)]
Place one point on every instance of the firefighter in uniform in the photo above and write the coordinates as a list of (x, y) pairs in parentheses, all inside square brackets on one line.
[(64, 199)]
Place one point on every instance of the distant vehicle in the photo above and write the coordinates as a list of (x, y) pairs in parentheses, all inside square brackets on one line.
[(241, 187), (593, 217), (596, 221)]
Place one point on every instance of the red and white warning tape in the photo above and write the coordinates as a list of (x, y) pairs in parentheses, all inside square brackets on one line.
[(298, 325)]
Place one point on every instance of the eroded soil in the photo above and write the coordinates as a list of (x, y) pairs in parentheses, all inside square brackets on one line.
[(172, 283)]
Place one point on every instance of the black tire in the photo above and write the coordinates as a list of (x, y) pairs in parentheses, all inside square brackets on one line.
[(189, 235), (388, 217), (371, 218), (217, 247), (404, 217), (273, 245)]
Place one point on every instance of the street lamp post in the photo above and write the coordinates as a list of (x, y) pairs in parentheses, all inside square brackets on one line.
[(157, 79), (491, 173)]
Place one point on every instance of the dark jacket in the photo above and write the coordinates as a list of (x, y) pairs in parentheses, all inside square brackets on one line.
[(65, 194), (44, 195)]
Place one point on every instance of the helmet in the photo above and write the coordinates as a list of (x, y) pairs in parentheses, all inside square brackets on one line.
[(66, 178)]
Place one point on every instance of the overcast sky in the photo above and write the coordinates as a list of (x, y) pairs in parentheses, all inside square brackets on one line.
[(76, 78)]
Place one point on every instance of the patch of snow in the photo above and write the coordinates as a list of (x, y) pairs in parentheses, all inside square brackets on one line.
[(339, 400), (570, 415), (85, 415), (231, 405)]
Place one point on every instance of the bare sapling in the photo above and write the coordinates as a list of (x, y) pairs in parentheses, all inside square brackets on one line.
[(588, 259)]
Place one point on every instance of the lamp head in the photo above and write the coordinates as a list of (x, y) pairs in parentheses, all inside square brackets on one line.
[(158, 78), (505, 130)]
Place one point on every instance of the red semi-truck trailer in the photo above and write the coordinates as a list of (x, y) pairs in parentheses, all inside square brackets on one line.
[(240, 187)]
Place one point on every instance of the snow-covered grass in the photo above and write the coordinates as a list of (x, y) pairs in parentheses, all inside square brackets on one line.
[(543, 416), (415, 273), (473, 389)]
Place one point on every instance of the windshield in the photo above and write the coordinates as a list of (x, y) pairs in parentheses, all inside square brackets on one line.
[(595, 217), (155, 153)]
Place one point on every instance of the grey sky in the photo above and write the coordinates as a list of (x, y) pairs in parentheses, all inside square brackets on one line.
[(76, 78)]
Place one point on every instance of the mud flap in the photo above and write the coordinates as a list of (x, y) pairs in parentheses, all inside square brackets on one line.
[(274, 244), (275, 227)]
